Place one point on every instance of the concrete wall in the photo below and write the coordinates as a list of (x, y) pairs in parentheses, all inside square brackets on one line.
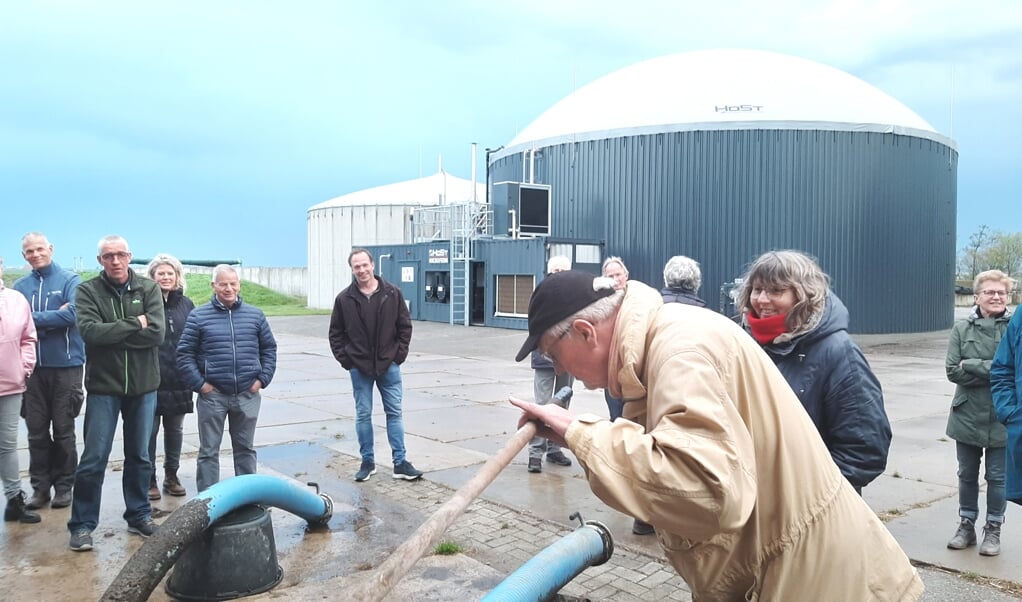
[(288, 281)]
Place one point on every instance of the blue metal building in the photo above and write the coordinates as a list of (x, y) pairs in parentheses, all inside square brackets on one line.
[(722, 155)]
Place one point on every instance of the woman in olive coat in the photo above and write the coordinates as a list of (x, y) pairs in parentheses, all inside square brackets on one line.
[(972, 422)]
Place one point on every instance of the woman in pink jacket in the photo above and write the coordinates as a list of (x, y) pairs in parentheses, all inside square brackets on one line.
[(17, 360)]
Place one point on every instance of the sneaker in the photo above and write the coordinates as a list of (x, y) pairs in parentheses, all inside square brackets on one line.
[(559, 459), (991, 545), (642, 528), (144, 527), (61, 500), (38, 500), (535, 465), (406, 471), (367, 470), (965, 536), (81, 540)]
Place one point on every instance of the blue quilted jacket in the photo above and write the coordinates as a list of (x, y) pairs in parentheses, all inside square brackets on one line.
[(229, 347)]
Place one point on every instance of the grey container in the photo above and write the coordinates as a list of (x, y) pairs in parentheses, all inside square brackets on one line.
[(235, 557)]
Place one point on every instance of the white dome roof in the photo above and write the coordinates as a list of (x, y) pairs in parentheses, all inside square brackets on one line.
[(430, 190), (720, 89)]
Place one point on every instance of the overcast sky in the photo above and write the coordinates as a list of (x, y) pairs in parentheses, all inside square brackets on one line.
[(207, 129)]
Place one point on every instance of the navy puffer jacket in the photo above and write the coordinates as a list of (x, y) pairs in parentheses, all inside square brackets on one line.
[(838, 389), (228, 347)]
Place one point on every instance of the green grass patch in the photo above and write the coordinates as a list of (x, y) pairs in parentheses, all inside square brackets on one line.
[(200, 291), (447, 548)]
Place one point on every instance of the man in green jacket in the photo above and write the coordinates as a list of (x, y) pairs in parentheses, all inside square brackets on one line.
[(120, 317)]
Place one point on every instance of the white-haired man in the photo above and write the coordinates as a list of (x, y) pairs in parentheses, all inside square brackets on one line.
[(722, 459)]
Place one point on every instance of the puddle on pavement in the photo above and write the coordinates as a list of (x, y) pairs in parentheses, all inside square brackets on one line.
[(365, 528)]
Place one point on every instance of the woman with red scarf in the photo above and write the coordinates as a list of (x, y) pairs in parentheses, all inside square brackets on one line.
[(786, 304)]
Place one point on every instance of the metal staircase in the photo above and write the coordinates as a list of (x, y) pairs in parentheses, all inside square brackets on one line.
[(460, 224)]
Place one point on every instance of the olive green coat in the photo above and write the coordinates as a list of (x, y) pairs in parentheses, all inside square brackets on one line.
[(970, 351)]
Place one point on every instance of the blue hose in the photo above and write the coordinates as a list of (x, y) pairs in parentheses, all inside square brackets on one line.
[(555, 566), (243, 490), (147, 566)]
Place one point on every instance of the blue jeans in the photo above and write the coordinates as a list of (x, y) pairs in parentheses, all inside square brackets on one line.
[(615, 406), (389, 384), (242, 412), (101, 411), (968, 482)]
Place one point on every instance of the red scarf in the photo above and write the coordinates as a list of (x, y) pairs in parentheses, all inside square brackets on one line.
[(765, 330)]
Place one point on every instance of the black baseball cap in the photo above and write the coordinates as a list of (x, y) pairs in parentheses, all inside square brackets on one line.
[(559, 296)]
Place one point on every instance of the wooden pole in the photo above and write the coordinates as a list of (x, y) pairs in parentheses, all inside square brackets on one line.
[(379, 583)]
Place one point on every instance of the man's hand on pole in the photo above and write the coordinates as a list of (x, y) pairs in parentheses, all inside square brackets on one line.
[(551, 420)]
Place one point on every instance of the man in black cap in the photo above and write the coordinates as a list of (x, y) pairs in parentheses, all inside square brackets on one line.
[(721, 458)]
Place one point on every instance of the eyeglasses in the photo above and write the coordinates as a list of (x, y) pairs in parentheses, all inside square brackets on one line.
[(772, 293), (549, 355), (112, 256), (989, 293)]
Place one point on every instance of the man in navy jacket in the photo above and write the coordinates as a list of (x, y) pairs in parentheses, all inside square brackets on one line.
[(227, 355)]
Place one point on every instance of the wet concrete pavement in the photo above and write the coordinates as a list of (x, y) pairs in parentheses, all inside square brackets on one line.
[(457, 381)]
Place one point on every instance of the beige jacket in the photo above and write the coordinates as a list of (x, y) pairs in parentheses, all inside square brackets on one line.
[(731, 472)]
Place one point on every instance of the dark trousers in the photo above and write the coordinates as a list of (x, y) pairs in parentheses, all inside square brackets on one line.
[(52, 401)]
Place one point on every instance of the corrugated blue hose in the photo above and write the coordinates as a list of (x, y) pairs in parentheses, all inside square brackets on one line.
[(147, 567)]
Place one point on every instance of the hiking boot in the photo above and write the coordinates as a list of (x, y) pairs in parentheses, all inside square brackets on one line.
[(367, 470), (144, 527), (154, 490), (81, 540), (642, 528), (38, 500), (535, 465), (61, 500), (406, 471), (172, 485), (991, 545), (16, 510), (965, 536), (559, 459)]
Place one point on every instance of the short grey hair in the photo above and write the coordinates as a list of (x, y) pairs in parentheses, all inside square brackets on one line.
[(109, 239), (558, 262), (173, 262), (617, 260), (993, 276), (683, 273), (223, 268), (30, 235)]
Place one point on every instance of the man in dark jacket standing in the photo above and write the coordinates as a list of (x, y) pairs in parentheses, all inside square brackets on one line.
[(370, 330), (120, 316), (54, 396), (227, 355)]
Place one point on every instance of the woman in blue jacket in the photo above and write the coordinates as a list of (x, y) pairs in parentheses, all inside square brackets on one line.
[(787, 306), (1006, 386), (973, 423)]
